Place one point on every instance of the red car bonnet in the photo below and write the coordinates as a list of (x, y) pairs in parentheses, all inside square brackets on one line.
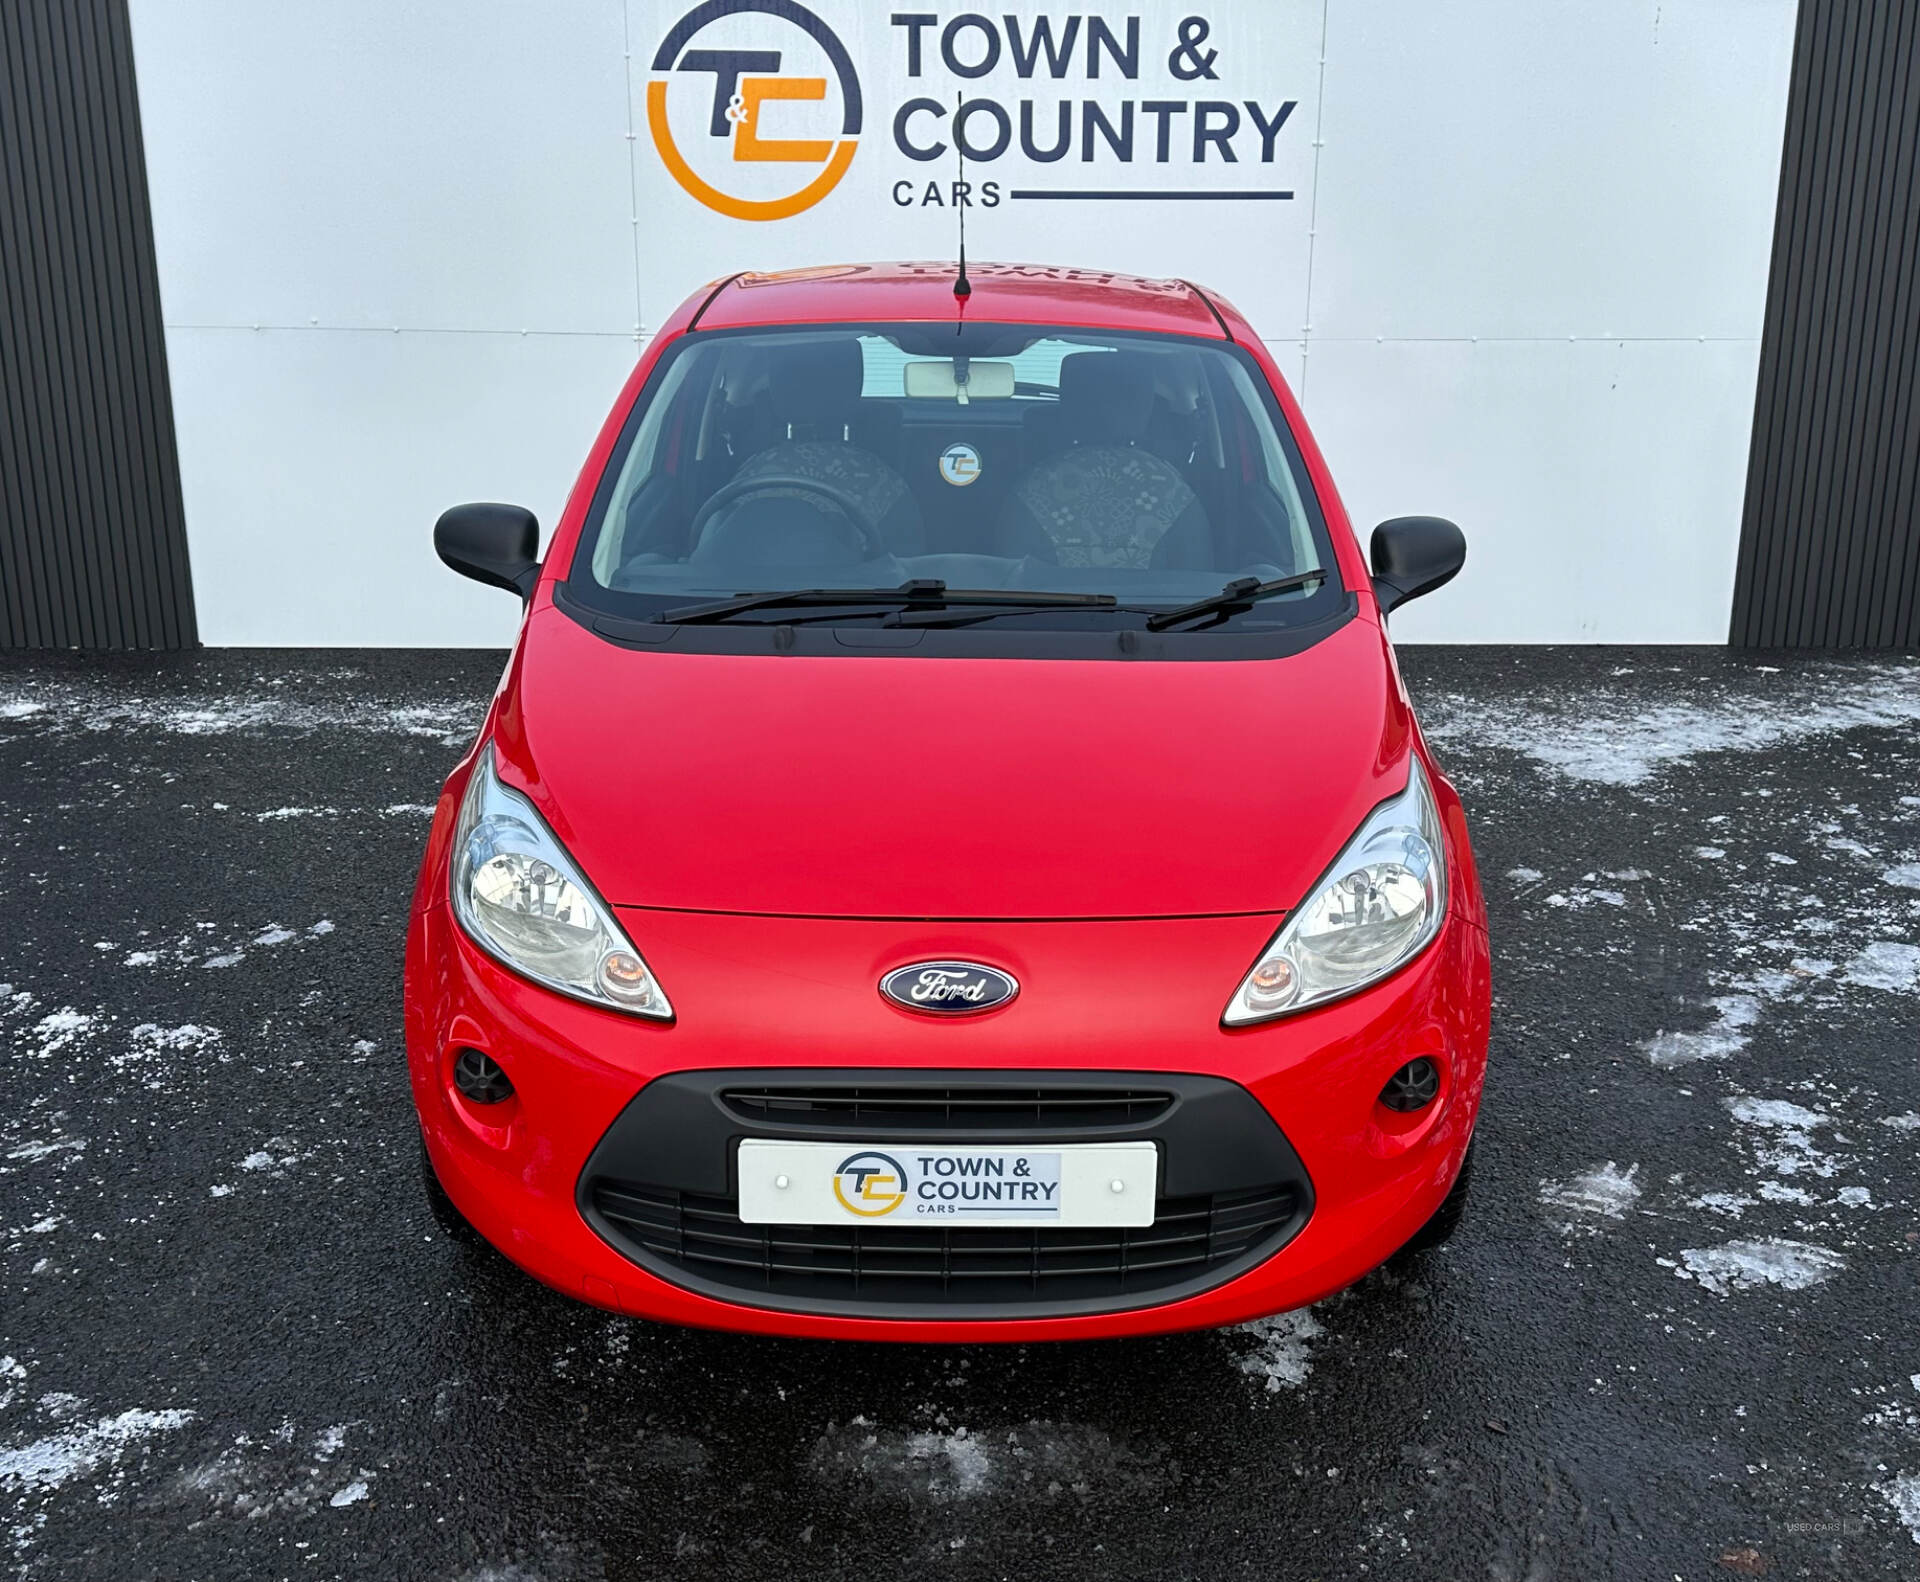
[(992, 788), (951, 788)]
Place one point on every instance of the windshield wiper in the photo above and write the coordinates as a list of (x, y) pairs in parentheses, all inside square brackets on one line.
[(1105, 603), (1240, 594), (921, 593)]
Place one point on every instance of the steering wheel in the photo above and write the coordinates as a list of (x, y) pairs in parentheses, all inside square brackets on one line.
[(872, 545)]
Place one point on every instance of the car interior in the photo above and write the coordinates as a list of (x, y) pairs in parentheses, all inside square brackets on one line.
[(1058, 460)]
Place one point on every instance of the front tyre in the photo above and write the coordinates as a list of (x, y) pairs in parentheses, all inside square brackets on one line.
[(1446, 1218), (454, 1225)]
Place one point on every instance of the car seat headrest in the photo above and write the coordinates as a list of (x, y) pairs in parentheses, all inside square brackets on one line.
[(1106, 398), (817, 380)]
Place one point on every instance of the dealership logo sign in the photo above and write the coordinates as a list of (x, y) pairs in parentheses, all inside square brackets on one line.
[(870, 1184), (755, 109), (740, 86)]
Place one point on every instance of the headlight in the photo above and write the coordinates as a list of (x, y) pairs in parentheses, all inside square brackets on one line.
[(1378, 907), (522, 900)]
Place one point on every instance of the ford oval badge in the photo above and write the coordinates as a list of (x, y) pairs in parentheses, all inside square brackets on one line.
[(948, 988)]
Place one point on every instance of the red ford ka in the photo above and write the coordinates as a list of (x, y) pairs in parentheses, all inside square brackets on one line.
[(951, 856)]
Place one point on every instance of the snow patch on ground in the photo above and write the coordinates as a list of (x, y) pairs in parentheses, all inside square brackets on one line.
[(1732, 1204), (1581, 896), (949, 1466), (47, 1148), (1779, 1113), (1886, 964), (79, 705), (1734, 1018), (154, 1051), (1910, 1122), (1746, 1265), (205, 948), (1606, 1191), (282, 1471), (942, 1467), (1788, 1148), (48, 1463), (1283, 1353), (188, 1035), (1612, 737), (60, 1029), (1903, 1494), (278, 1156)]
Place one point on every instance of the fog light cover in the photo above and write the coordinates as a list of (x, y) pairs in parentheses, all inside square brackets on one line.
[(481, 1079), (1379, 906), (1413, 1087)]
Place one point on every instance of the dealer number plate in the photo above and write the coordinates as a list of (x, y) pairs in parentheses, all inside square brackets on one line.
[(883, 1183)]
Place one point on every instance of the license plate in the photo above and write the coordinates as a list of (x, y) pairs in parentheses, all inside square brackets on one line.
[(882, 1183)]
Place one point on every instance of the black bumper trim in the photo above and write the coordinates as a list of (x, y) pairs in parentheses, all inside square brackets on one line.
[(660, 1189)]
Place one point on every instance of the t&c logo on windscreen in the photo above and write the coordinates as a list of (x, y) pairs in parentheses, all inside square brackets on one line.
[(749, 98)]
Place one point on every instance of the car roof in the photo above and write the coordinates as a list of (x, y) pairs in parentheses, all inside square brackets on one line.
[(1008, 293)]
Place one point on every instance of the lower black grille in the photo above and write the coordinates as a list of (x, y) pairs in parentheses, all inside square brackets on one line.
[(660, 1188), (969, 1107), (1193, 1240)]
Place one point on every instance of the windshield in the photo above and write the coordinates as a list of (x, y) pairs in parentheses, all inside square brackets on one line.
[(1151, 470)]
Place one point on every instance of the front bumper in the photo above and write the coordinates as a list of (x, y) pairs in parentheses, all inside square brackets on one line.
[(1122, 999), (662, 1188)]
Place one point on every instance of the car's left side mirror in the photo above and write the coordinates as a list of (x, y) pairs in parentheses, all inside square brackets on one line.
[(495, 544), (1413, 555)]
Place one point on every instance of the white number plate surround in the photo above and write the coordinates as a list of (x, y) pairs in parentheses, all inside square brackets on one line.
[(946, 1185)]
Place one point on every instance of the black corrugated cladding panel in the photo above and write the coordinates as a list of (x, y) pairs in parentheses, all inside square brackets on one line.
[(1830, 542), (93, 544)]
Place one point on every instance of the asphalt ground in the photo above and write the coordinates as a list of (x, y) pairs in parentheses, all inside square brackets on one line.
[(1676, 1337)]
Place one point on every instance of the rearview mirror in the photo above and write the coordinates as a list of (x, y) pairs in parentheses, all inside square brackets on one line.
[(495, 544), (958, 379), (1413, 555)]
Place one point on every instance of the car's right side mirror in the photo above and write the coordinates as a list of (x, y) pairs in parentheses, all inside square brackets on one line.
[(495, 544), (1413, 555)]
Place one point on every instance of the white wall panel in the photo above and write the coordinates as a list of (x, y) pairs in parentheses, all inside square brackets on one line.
[(314, 463), (1600, 483), (1549, 167), (1540, 270), (1532, 252), (442, 164)]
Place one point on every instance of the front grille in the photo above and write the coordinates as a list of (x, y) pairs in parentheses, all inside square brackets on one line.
[(1194, 1241), (973, 1107)]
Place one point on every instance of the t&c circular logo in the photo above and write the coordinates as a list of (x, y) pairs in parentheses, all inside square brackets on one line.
[(724, 88), (870, 1184), (960, 465)]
